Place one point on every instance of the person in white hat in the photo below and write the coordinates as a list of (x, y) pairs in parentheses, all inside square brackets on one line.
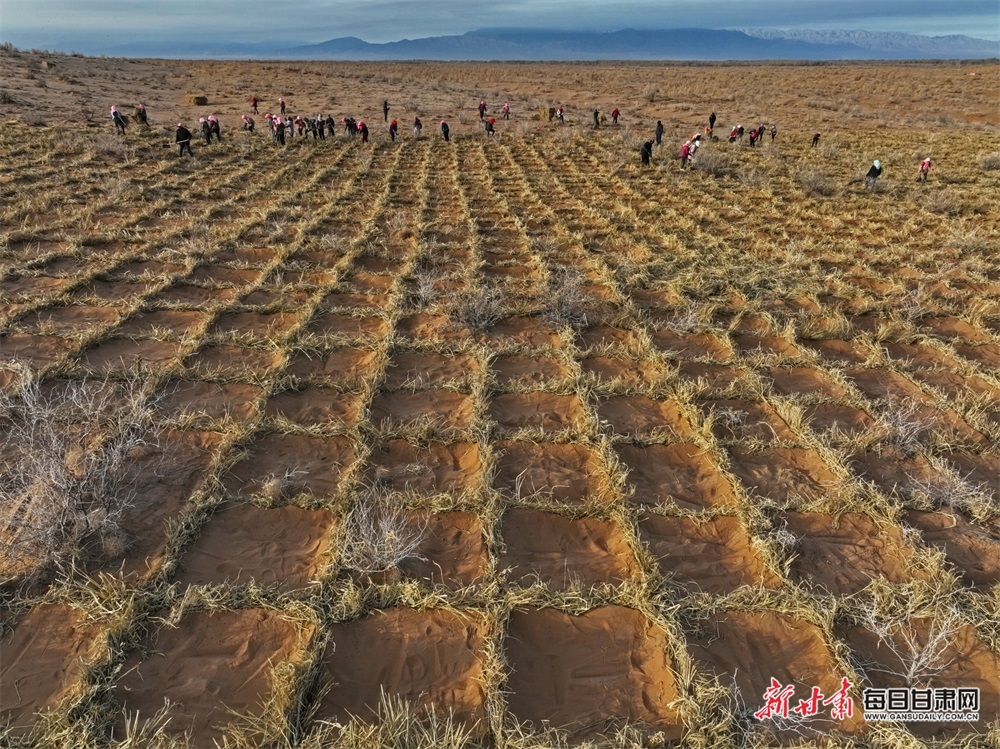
[(873, 174)]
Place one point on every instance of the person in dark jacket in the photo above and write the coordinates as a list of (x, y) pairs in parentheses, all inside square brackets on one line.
[(363, 129), (445, 130), (140, 115), (393, 129), (490, 130), (597, 119), (659, 132), (119, 121), (248, 123), (711, 121), (183, 140), (321, 127), (213, 125), (646, 152), (815, 140), (873, 174), (206, 131), (417, 126), (385, 110), (279, 131)]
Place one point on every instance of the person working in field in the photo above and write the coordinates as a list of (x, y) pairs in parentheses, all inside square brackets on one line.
[(506, 110), (393, 129), (874, 172), (615, 114), (206, 131), (140, 115), (182, 138), (482, 109), (646, 152), (685, 154), (253, 104), (248, 123), (659, 132), (490, 130), (119, 121), (711, 121), (924, 170), (597, 118), (815, 140), (417, 126), (385, 110), (213, 126), (445, 130)]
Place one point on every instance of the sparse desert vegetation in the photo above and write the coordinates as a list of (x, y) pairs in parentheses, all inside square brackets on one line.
[(500, 442)]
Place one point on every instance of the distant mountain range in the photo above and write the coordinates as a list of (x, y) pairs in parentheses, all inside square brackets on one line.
[(627, 44), (666, 44)]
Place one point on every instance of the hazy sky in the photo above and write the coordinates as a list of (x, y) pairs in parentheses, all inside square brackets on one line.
[(93, 26)]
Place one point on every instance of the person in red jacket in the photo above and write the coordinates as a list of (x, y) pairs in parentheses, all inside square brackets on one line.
[(393, 129), (253, 104), (363, 129), (924, 170), (615, 114), (490, 130)]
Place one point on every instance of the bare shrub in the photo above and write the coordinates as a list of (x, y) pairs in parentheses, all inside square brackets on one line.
[(66, 483), (716, 163), (920, 655), (7, 98), (817, 181), (567, 301), (480, 308), (379, 536), (989, 162)]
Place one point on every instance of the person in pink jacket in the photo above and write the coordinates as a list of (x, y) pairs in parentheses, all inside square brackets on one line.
[(924, 170)]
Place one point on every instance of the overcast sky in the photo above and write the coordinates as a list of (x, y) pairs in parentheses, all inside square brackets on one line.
[(94, 26)]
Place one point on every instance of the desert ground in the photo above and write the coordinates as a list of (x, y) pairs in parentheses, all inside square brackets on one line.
[(497, 442)]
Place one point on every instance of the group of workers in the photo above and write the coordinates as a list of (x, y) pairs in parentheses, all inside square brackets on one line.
[(282, 125)]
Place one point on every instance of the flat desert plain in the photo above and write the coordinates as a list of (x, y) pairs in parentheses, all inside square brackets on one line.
[(503, 441)]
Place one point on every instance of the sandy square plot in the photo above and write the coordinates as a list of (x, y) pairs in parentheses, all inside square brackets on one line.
[(746, 649), (261, 325), (641, 416), (241, 543), (560, 551), (519, 370), (587, 673), (175, 321), (209, 666), (558, 472), (714, 556), (316, 406), (454, 550), (692, 345), (963, 660), (38, 350), (346, 367), (233, 360), (803, 381), (71, 318), (744, 420), (419, 369), (314, 465), (973, 549), (43, 660), (438, 409), (546, 411), (842, 554), (215, 400), (349, 326), (429, 658), (439, 467), (783, 474), (682, 473)]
